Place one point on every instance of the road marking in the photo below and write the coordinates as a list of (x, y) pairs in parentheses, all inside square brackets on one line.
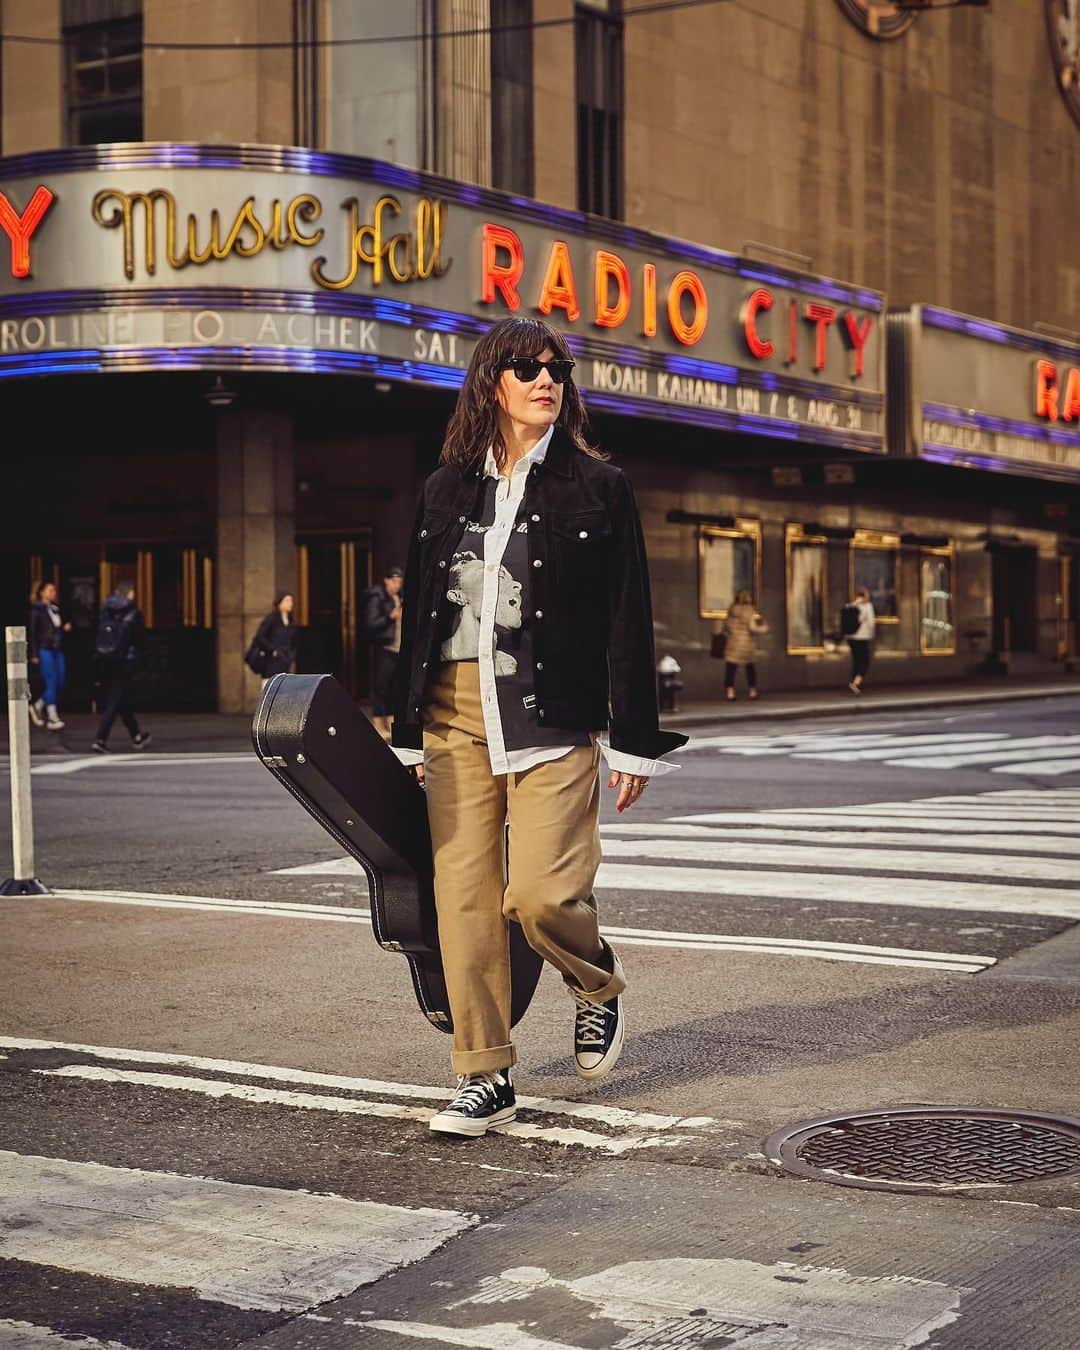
[(1041, 843), (733, 1300), (947, 753), (308, 1101), (52, 768), (787, 745), (1046, 766), (641, 937), (881, 816), (27, 1336), (1031, 755), (877, 860), (608, 1115), (248, 1246), (843, 888)]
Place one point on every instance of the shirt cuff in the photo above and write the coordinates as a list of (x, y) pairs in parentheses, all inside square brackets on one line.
[(621, 762), (408, 757)]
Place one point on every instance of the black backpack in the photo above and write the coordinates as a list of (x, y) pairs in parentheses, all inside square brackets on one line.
[(849, 619), (113, 634)]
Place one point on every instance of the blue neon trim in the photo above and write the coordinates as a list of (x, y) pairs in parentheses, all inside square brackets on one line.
[(1032, 431)]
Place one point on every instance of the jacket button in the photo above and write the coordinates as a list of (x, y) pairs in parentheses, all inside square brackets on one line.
[(434, 613), (539, 712), (539, 614), (461, 520), (538, 563), (424, 666), (534, 517), (442, 562), (539, 665), (583, 534), (423, 533)]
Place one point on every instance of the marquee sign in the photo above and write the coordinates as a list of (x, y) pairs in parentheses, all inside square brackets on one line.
[(136, 257), (985, 396)]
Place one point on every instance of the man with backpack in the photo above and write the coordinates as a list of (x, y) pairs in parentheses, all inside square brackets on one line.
[(119, 638)]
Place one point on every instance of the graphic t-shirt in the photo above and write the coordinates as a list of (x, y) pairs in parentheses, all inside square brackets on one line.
[(460, 625)]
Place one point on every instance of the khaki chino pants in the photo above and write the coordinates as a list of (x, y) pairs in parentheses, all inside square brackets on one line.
[(554, 852)]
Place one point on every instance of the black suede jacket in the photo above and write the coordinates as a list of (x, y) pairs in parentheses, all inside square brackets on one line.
[(593, 658)]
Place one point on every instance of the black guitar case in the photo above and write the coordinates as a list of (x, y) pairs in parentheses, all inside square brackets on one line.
[(316, 742)]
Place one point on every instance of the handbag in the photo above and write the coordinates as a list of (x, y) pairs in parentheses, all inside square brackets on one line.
[(256, 658), (719, 646)]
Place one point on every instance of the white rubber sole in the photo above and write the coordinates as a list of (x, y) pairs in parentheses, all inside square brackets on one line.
[(611, 1058), (446, 1123)]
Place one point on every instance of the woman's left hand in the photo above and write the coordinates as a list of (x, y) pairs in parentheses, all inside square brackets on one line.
[(630, 785)]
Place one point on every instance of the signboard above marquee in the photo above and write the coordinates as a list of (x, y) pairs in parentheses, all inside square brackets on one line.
[(216, 257), (981, 395)]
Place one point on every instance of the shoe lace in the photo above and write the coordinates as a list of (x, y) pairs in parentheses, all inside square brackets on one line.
[(473, 1090), (590, 1027)]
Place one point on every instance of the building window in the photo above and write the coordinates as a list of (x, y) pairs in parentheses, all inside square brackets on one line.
[(729, 561), (875, 565), (103, 44), (512, 96), (807, 561), (599, 42), (937, 636)]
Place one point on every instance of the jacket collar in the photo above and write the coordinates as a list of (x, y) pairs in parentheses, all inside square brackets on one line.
[(558, 458)]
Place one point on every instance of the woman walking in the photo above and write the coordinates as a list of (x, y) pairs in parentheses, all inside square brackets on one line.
[(861, 639), (742, 624), (46, 645), (526, 619), (276, 637)]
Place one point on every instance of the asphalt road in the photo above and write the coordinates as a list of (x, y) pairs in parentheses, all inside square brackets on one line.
[(214, 1086)]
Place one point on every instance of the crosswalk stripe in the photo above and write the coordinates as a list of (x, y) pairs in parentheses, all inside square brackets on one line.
[(921, 859), (1011, 843), (879, 745), (309, 1101), (597, 1111), (843, 888), (59, 767), (1046, 766), (949, 754), (247, 1246), (882, 816), (1030, 754)]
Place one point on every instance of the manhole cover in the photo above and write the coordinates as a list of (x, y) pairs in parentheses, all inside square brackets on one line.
[(928, 1148)]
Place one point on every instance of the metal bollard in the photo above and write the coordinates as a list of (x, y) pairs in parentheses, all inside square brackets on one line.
[(22, 814)]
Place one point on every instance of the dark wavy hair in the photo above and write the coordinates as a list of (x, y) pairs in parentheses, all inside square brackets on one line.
[(475, 424)]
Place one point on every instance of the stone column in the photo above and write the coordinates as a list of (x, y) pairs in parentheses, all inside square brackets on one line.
[(256, 553)]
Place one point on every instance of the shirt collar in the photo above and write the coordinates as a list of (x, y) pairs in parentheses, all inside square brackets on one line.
[(535, 456)]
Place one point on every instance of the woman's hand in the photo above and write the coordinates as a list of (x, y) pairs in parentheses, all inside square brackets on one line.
[(418, 769), (630, 785)]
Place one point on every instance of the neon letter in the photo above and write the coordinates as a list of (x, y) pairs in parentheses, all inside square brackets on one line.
[(822, 315), (1046, 390), (610, 266), (495, 275), (648, 301), (559, 288), (687, 283), (19, 229), (857, 334), (1070, 409), (760, 347)]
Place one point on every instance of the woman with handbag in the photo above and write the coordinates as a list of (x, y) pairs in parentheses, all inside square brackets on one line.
[(742, 625), (273, 648), (526, 636)]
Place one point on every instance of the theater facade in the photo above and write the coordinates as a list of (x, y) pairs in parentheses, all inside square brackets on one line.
[(224, 371)]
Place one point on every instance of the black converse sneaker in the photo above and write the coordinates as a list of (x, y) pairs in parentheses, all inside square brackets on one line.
[(598, 1035), (482, 1100)]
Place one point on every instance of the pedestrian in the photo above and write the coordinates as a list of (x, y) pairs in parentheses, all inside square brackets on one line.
[(857, 623), (46, 651), (382, 628), (120, 633), (742, 625), (527, 632), (274, 644)]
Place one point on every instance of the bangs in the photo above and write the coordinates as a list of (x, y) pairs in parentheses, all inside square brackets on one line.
[(516, 338)]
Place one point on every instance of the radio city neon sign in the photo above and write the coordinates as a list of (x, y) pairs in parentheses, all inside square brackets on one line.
[(20, 228), (685, 305), (1051, 400)]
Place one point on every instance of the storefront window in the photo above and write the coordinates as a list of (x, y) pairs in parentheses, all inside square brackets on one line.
[(806, 572), (937, 634), (875, 562), (728, 562)]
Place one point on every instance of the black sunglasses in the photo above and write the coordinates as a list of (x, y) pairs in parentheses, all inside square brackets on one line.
[(527, 368)]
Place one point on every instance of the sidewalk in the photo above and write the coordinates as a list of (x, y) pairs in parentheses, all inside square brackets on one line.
[(223, 733)]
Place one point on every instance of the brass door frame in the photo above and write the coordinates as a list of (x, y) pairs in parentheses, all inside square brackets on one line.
[(349, 617)]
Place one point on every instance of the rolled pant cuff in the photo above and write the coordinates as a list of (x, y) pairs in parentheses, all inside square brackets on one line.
[(483, 1061), (614, 986)]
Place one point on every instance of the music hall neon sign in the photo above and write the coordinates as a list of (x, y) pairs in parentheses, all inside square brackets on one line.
[(1051, 400)]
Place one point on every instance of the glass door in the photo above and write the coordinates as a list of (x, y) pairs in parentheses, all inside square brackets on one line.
[(333, 574)]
